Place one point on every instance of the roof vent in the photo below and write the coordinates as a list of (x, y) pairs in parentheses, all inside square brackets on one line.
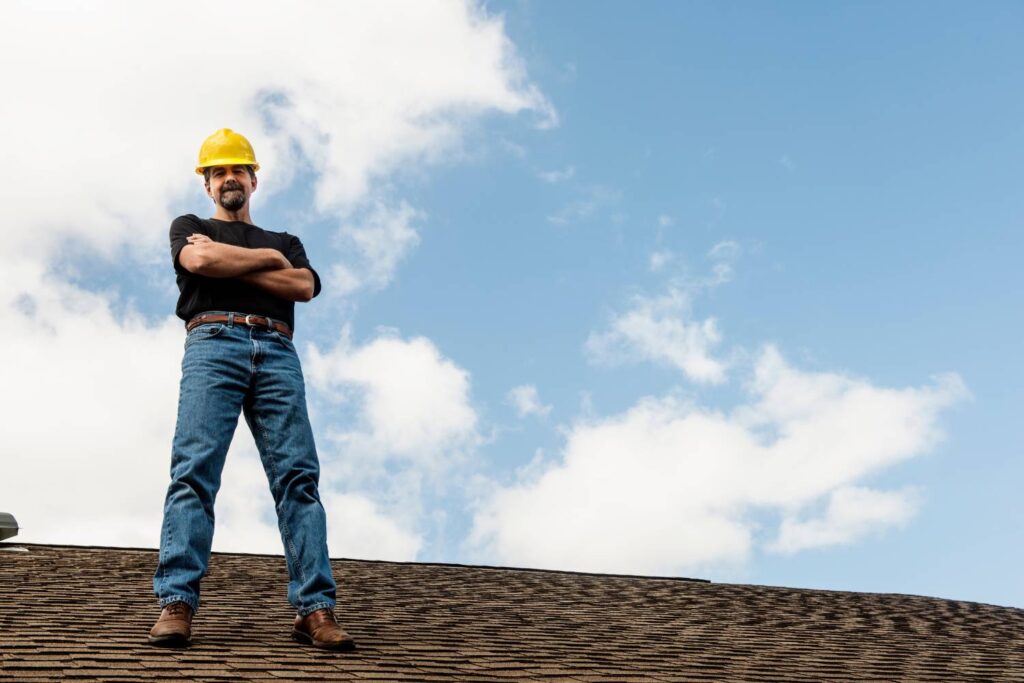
[(8, 526)]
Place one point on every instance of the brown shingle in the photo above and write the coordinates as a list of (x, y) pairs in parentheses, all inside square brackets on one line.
[(76, 613)]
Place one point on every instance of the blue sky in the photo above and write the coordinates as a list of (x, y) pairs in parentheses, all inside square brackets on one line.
[(867, 160), (621, 215)]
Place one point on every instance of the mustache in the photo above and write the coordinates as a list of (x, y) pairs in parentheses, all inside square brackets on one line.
[(233, 186)]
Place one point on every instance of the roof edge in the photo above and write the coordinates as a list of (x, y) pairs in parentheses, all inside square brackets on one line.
[(394, 562)]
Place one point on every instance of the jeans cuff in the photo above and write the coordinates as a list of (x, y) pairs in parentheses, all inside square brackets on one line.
[(312, 608), (177, 598)]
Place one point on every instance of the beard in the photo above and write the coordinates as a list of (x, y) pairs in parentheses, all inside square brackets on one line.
[(232, 199)]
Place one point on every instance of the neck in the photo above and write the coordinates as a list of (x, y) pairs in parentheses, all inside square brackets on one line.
[(242, 214)]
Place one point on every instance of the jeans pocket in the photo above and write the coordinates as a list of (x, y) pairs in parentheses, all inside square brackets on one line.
[(283, 340), (200, 332)]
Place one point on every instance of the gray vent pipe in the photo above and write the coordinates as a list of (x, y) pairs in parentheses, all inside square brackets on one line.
[(8, 526)]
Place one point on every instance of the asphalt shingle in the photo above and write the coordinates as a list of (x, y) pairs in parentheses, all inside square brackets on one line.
[(78, 613)]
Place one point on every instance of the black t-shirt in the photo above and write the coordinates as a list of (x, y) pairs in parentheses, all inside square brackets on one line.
[(200, 293)]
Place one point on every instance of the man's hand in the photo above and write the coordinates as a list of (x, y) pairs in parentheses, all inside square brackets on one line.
[(278, 278), (290, 284), (203, 256)]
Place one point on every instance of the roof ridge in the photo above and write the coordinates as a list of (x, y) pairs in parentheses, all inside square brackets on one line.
[(640, 577), (395, 562)]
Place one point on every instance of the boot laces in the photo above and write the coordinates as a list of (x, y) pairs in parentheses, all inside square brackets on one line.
[(176, 608)]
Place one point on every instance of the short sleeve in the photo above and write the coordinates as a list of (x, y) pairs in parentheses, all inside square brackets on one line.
[(181, 228), (297, 255)]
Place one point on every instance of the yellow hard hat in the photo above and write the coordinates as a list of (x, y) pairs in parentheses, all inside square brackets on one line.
[(226, 148)]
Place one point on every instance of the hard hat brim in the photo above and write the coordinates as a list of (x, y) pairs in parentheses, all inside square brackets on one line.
[(231, 161)]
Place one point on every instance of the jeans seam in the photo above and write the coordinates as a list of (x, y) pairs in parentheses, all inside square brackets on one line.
[(286, 530), (167, 527)]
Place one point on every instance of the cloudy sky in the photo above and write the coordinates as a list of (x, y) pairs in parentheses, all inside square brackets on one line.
[(724, 290)]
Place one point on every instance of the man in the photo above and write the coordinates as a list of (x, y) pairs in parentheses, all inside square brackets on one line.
[(238, 286)]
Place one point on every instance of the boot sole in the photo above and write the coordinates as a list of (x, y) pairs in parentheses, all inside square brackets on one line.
[(344, 646), (173, 640)]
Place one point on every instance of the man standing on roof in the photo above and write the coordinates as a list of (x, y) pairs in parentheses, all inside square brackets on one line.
[(239, 284)]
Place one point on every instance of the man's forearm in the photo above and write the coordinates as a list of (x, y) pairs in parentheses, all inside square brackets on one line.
[(291, 284), (216, 259)]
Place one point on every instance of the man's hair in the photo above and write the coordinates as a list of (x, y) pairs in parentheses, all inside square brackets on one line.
[(206, 173)]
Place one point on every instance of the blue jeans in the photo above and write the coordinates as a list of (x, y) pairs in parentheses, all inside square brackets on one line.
[(227, 369)]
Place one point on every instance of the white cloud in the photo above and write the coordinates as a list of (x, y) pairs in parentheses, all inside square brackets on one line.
[(723, 255), (659, 259), (379, 242), (246, 521), (358, 91), (414, 403), (245, 517), (582, 208), (356, 525), (513, 148), (853, 512), (659, 329), (357, 528), (726, 250), (348, 94), (669, 486), (89, 405), (557, 176), (100, 139), (527, 401), (409, 427)]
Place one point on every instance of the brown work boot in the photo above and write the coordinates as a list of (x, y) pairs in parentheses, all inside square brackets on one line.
[(320, 629), (174, 627)]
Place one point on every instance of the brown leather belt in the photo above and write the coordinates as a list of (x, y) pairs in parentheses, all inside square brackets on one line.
[(240, 319)]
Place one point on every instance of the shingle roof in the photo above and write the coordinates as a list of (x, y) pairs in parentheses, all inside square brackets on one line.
[(69, 613)]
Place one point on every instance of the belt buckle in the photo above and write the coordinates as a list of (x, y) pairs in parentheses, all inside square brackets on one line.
[(270, 325)]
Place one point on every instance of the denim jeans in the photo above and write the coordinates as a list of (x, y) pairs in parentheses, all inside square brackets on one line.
[(227, 369)]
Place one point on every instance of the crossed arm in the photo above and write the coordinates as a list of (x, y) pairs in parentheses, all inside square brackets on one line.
[(267, 269)]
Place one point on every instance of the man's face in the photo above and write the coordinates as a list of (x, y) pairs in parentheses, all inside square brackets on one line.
[(230, 186)]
